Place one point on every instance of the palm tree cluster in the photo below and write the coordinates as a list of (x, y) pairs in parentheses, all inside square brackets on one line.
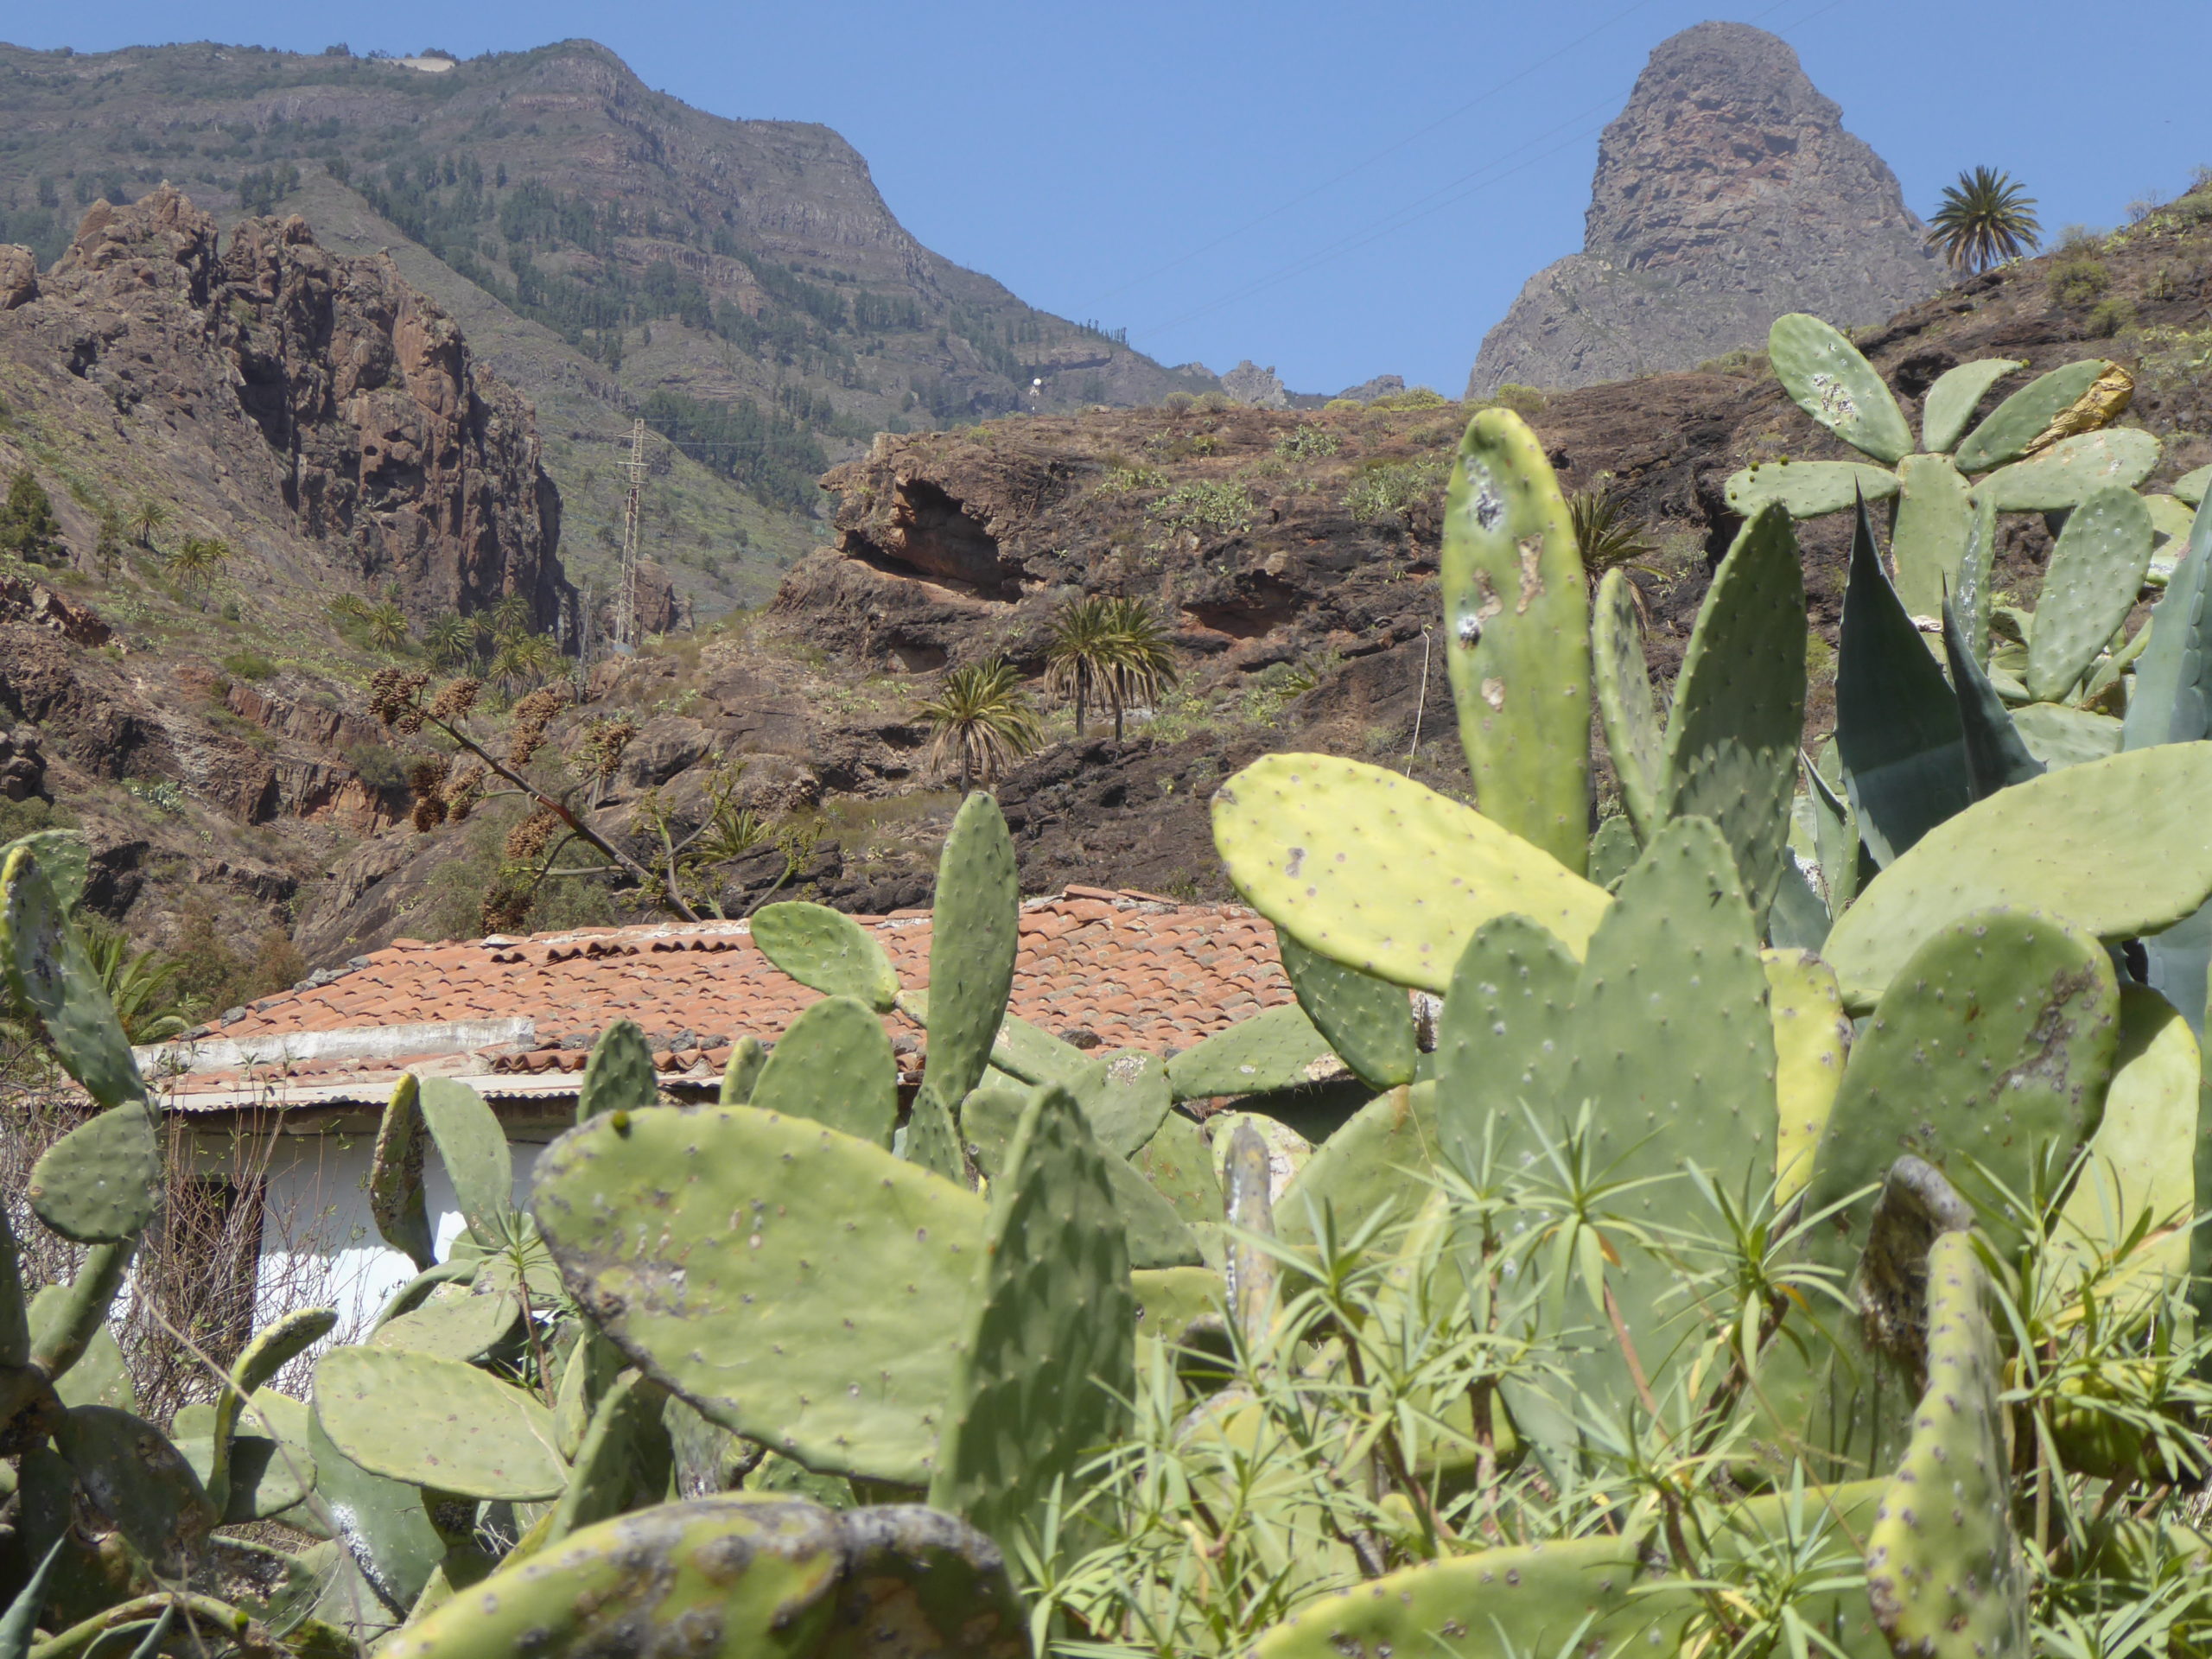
[(1985, 220), (196, 561), (982, 722), (1110, 652)]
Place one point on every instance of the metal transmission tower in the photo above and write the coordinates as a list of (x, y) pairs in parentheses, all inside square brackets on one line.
[(625, 592)]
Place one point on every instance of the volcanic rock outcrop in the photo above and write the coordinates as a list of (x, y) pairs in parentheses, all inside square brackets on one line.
[(1727, 192)]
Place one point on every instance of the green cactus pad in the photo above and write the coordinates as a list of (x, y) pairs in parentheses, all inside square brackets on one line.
[(1739, 704), (1126, 1096), (2010, 1019), (2173, 699), (1831, 381), (65, 1320), (746, 1057), (932, 1139), (1975, 593), (1928, 538), (382, 1523), (1518, 636), (2057, 736), (1897, 720), (623, 1462), (2071, 471), (1377, 1162), (619, 1076), (1158, 1236), (101, 1182), (1511, 999), (271, 1348), (1369, 1022), (2089, 588), (973, 935), (46, 968), (2115, 846), (1180, 1165), (1277, 1048), (1169, 1299), (1808, 489), (1253, 1275), (395, 1177), (827, 951), (834, 1065), (1530, 1603), (260, 1478), (1613, 849), (438, 1423), (1943, 1568), (2191, 487), (98, 1377), (2133, 1168), (748, 1319), (1951, 402), (1996, 754), (1045, 1370), (735, 1577), (1634, 737), (1382, 874), (473, 1148), (129, 1472), (453, 1322), (1811, 1039), (2026, 416)]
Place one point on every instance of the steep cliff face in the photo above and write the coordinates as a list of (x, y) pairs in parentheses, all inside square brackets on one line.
[(326, 390), (1727, 192)]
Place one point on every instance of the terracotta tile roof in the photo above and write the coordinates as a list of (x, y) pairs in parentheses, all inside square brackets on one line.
[(519, 1015)]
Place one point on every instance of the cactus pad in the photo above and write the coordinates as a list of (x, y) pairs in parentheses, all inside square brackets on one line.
[(101, 1182), (1125, 1095), (1368, 1021), (1518, 636), (473, 1148), (46, 968), (1811, 1039), (746, 1057), (1951, 402), (1539, 1601), (382, 1523), (827, 951), (1178, 1163), (1376, 1162), (2026, 416), (1510, 997), (1042, 1377), (834, 1065), (2071, 470), (1830, 379), (618, 1076), (623, 1462), (2088, 587), (1927, 539), (717, 1246), (736, 1576), (437, 1422), (1739, 705), (1381, 874), (396, 1177), (2115, 846), (973, 937), (1808, 489), (2010, 1020), (2173, 699), (1277, 1048), (1943, 1568), (1633, 733), (129, 1472)]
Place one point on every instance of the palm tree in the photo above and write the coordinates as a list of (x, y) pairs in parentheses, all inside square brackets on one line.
[(149, 1005), (982, 720), (148, 517), (195, 560), (507, 620), (385, 624), (1610, 538), (1080, 654), (1144, 664), (449, 640), (1985, 220), (532, 659)]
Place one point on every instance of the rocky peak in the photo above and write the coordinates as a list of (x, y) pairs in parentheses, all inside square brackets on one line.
[(1727, 192)]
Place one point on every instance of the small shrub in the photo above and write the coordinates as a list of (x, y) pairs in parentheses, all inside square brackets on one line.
[(216, 974), (1385, 493), (1120, 481), (1177, 403), (2079, 280), (1304, 442), (1411, 397), (1200, 506), (27, 526), (2110, 317), (1524, 401), (248, 664)]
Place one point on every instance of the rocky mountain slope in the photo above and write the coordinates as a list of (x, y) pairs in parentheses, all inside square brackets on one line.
[(612, 251), (1727, 192)]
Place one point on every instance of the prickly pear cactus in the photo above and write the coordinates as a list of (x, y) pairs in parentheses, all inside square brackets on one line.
[(437, 1422), (828, 952), (1041, 1379), (746, 1057), (2016, 422), (1511, 999), (2010, 1019), (1277, 1048), (2115, 846), (973, 937), (1376, 1162), (1381, 874), (1811, 1039), (1368, 1021), (618, 1076), (101, 1183), (737, 1576), (1516, 620), (719, 1246), (473, 1148), (1943, 1566), (1832, 382), (834, 1065), (2062, 475), (1634, 734), (47, 969), (2089, 588), (396, 1177)]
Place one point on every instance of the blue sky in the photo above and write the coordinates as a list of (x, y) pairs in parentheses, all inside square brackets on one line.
[(1336, 190)]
